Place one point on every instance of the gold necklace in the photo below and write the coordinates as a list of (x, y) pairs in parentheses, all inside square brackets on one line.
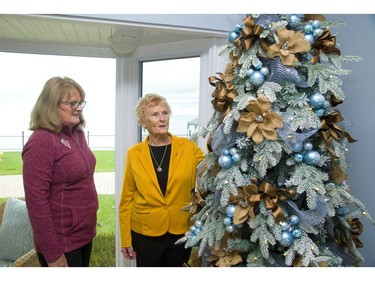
[(159, 168)]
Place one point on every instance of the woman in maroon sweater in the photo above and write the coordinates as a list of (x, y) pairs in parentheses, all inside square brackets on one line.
[(58, 176)]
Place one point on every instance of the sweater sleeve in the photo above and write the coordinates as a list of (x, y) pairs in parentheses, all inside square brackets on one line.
[(38, 166)]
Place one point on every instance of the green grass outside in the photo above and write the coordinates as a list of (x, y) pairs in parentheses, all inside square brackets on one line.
[(11, 162), (103, 254)]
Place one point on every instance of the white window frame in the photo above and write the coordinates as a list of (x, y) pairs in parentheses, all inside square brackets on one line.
[(128, 91)]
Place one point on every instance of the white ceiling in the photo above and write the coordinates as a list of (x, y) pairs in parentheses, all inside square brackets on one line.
[(87, 36)]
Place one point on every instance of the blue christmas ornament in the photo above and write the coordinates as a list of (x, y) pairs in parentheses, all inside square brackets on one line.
[(287, 238), (233, 151), (309, 37), (315, 24), (249, 72), (294, 220), (227, 221), (229, 210), (319, 112), (294, 20), (318, 32), (238, 28), (229, 228), (198, 223), (298, 157), (311, 157), (326, 104), (264, 70), (317, 100), (225, 161), (257, 78), (236, 157), (308, 146), (308, 28), (193, 229), (297, 147), (297, 233), (232, 36), (342, 211), (285, 225), (226, 152)]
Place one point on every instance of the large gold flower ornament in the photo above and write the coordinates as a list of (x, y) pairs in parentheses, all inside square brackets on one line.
[(259, 122), (290, 43)]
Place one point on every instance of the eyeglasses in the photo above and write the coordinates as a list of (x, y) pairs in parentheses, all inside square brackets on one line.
[(75, 104)]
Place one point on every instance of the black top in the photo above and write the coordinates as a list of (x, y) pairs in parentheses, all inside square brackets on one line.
[(162, 176)]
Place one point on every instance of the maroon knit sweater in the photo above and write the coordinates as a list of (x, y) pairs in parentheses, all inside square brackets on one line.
[(61, 199)]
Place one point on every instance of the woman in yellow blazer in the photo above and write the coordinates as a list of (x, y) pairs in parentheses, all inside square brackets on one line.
[(159, 176)]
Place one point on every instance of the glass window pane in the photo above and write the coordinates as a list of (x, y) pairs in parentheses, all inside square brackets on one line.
[(178, 81)]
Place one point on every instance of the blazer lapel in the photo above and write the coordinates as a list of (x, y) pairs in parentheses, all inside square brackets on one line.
[(176, 155), (144, 159)]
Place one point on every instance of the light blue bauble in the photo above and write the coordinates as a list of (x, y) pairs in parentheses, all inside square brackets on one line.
[(298, 157), (294, 220), (297, 147), (264, 70), (193, 229), (232, 36), (233, 151), (257, 78), (238, 28), (229, 228), (309, 37), (197, 231), (294, 20), (297, 233), (285, 225), (225, 161), (326, 104), (236, 158), (229, 210), (315, 24), (319, 112), (226, 152), (227, 221), (287, 238), (198, 223), (249, 72), (308, 28), (342, 211), (317, 100), (318, 32), (311, 158), (308, 146)]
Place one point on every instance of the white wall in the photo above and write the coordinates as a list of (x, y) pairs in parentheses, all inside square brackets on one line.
[(357, 38)]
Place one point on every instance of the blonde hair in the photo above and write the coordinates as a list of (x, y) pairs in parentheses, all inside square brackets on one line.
[(149, 100), (45, 112)]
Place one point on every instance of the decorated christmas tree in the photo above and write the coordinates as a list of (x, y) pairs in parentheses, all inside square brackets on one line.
[(272, 190)]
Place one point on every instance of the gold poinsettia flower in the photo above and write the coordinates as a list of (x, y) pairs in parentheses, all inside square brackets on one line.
[(223, 259), (245, 201), (290, 43), (259, 122)]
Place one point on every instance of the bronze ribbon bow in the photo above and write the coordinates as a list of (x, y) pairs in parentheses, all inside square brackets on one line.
[(325, 43), (250, 32), (224, 93), (197, 202), (331, 130), (344, 238), (271, 195)]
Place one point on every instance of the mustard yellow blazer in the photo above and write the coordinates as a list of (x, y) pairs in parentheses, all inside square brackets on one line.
[(143, 208)]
